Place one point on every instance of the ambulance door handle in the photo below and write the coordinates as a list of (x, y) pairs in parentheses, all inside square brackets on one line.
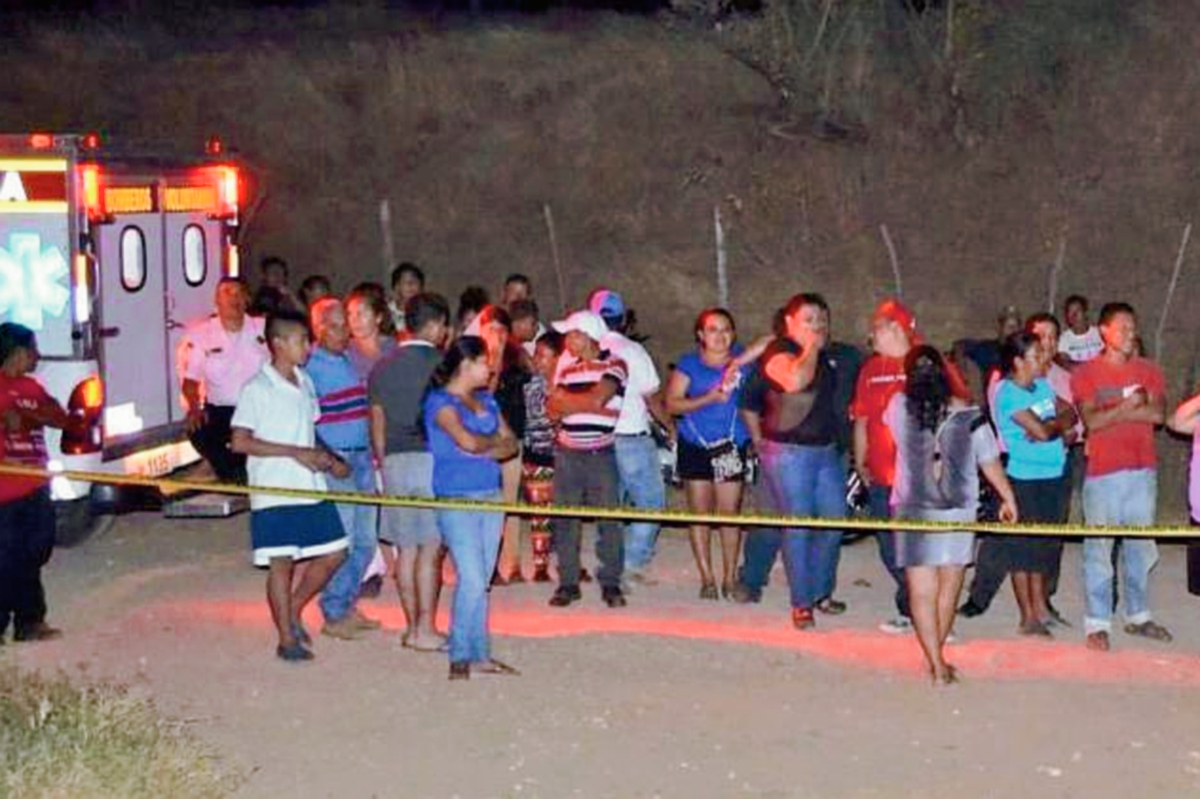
[(173, 325), (108, 332)]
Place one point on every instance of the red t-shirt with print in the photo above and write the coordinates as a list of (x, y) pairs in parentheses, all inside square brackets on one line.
[(1126, 445), (23, 445), (881, 378)]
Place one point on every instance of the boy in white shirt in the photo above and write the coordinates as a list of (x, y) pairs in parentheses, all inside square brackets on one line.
[(274, 425)]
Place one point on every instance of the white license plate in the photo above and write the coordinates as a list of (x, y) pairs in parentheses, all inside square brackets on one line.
[(154, 462)]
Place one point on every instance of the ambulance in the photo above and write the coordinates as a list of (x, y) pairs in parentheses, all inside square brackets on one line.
[(106, 253)]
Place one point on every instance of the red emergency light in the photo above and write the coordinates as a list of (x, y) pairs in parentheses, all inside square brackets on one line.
[(41, 141)]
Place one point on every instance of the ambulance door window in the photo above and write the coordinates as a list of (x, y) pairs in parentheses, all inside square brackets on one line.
[(133, 259), (195, 256)]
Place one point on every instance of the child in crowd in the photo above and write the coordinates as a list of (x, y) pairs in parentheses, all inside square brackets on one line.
[(537, 451), (274, 425)]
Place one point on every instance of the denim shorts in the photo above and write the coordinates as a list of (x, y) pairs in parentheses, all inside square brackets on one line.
[(409, 474)]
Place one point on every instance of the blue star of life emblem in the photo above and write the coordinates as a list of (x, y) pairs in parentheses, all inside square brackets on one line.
[(32, 279)]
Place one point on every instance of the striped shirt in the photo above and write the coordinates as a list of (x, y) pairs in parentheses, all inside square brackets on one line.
[(592, 430), (344, 420)]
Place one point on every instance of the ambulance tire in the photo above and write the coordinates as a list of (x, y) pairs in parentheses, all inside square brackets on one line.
[(78, 520)]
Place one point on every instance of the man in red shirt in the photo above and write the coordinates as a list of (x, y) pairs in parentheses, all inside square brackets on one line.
[(1121, 398), (893, 334), (26, 514)]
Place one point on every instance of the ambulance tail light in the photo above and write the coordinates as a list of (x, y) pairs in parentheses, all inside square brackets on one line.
[(233, 263), (92, 197), (82, 435), (81, 291), (41, 141), (228, 188)]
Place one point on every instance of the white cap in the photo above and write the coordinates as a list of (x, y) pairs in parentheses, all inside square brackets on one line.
[(585, 322)]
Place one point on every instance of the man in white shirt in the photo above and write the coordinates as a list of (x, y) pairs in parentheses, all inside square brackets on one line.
[(638, 463), (220, 355), (1081, 341)]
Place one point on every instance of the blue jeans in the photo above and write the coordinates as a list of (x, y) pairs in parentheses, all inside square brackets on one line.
[(1120, 498), (878, 498), (642, 487), (473, 538), (801, 481), (337, 599)]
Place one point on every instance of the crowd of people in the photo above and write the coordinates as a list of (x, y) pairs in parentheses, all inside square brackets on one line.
[(391, 392)]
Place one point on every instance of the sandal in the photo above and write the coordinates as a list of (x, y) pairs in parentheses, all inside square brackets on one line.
[(1098, 642), (1035, 628), (1151, 630), (496, 667), (709, 591)]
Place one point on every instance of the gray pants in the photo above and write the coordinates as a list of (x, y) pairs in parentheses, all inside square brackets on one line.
[(588, 478)]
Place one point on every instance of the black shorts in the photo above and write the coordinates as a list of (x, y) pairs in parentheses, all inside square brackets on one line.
[(693, 462)]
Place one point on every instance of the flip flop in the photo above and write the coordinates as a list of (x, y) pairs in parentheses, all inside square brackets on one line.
[(294, 653)]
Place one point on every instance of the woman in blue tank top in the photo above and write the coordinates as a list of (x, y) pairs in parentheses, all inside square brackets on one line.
[(468, 439)]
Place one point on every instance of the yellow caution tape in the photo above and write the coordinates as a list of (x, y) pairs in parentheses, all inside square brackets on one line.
[(669, 517)]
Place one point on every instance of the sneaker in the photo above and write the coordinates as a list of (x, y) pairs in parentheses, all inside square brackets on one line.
[(343, 629), (639, 577), (897, 626), (744, 594), (802, 618), (613, 596), (970, 610), (364, 623), (564, 595)]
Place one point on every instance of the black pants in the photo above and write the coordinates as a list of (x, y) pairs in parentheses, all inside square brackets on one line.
[(26, 543), (588, 478), (212, 439), (1038, 501)]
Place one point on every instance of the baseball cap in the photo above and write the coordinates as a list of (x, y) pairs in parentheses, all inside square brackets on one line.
[(585, 322), (606, 303), (893, 310)]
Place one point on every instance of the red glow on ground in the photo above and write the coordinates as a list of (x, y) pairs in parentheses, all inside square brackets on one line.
[(998, 659)]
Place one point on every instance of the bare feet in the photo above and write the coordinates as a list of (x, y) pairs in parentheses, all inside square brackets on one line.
[(945, 675), (1098, 642)]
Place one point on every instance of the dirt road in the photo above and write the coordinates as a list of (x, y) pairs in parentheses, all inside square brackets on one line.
[(669, 697)]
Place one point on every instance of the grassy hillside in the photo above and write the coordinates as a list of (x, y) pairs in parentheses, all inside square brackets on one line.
[(632, 130)]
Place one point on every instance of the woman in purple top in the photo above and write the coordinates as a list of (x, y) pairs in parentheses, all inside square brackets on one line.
[(468, 439), (713, 442)]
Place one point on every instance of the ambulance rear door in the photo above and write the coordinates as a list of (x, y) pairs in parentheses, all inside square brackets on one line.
[(194, 243), (133, 323)]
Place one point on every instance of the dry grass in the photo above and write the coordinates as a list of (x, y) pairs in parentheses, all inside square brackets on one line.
[(62, 739)]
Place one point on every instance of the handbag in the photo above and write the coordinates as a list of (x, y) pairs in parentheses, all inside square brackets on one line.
[(724, 454)]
